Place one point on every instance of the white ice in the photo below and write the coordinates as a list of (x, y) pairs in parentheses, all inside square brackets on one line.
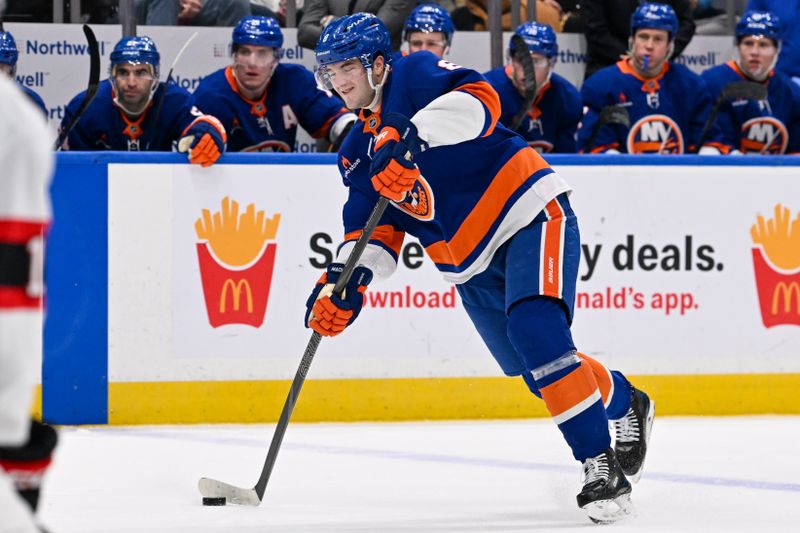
[(702, 474)]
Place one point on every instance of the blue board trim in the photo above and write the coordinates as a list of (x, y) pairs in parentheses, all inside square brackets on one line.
[(75, 363)]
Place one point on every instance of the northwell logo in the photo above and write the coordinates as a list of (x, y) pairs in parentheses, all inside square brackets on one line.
[(236, 262), (776, 261)]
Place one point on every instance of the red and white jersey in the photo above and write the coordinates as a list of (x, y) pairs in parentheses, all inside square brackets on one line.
[(26, 160)]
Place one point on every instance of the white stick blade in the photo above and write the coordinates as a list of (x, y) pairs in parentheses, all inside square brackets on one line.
[(211, 488)]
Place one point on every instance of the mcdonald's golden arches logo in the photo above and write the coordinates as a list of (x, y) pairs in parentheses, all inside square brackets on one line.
[(776, 262), (237, 255)]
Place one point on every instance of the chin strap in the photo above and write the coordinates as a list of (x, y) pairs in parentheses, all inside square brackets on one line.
[(737, 57), (378, 88)]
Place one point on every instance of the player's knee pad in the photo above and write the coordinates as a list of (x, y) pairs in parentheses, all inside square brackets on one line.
[(539, 331), (27, 464)]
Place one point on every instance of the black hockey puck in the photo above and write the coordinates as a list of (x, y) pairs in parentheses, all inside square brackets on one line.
[(214, 501)]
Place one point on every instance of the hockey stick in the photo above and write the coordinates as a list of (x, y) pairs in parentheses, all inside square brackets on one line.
[(91, 89), (211, 488), (610, 114), (738, 90), (520, 53), (160, 103)]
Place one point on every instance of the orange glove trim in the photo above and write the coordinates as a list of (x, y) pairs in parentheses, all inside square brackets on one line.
[(205, 153), (387, 134)]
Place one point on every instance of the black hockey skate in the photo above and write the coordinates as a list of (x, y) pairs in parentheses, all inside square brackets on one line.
[(632, 433), (606, 494)]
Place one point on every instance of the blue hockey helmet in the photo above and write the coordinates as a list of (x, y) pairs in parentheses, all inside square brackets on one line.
[(258, 31), (760, 23), (655, 17), (540, 38), (8, 49), (429, 18), (135, 50), (359, 36)]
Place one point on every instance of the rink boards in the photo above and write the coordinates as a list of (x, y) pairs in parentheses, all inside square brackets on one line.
[(161, 312)]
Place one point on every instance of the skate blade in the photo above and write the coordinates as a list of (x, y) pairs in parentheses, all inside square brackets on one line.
[(610, 511), (648, 427)]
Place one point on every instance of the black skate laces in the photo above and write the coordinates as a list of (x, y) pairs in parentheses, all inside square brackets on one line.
[(595, 469), (627, 428)]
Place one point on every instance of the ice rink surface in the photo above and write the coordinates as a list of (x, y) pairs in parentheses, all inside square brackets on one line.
[(702, 474)]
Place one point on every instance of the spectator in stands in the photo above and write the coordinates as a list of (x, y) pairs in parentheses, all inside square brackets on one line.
[(319, 13), (608, 30), (8, 66), (428, 27), (665, 105), (191, 12), (788, 11), (261, 101), (550, 120), (474, 15), (750, 126), (275, 9)]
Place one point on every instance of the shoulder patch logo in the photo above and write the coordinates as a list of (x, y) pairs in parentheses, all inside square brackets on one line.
[(419, 202)]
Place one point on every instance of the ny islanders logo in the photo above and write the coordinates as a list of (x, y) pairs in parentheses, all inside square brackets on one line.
[(764, 135), (776, 261), (419, 202), (655, 134), (236, 252)]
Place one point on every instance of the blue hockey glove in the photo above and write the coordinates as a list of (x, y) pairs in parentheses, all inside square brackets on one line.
[(326, 313), (393, 173)]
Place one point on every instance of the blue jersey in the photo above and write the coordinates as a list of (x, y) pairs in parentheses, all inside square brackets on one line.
[(104, 126), (768, 127), (269, 124), (552, 122), (667, 112), (480, 183), (34, 96)]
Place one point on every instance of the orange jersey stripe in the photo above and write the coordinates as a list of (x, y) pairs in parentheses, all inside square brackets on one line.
[(386, 234), (488, 97), (570, 391), (477, 224), (552, 250), (602, 376), (323, 130)]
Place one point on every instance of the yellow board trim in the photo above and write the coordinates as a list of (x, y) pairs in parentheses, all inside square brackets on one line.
[(350, 400)]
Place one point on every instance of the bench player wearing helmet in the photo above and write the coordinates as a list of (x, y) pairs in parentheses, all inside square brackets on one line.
[(8, 65), (261, 101), (133, 111), (551, 123), (770, 126), (667, 103)]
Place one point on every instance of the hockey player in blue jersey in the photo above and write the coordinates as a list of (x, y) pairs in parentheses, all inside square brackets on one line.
[(494, 218), (551, 123), (134, 112), (770, 126), (428, 27), (8, 65), (667, 103), (261, 101)]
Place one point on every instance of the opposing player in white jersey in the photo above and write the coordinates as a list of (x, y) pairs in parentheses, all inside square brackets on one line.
[(26, 160)]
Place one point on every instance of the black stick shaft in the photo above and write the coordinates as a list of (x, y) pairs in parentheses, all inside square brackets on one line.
[(311, 349), (91, 89)]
